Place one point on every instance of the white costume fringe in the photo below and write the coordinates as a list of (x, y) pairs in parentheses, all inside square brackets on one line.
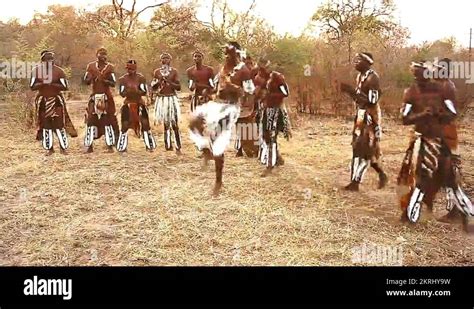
[(216, 138), (167, 110)]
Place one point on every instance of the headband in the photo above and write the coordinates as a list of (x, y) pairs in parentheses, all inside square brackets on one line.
[(45, 52), (419, 64), (101, 50), (131, 64), (166, 55), (366, 57)]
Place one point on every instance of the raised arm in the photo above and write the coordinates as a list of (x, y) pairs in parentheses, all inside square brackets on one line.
[(109, 75), (156, 79)]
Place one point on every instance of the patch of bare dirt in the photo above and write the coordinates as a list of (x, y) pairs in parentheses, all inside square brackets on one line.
[(155, 209)]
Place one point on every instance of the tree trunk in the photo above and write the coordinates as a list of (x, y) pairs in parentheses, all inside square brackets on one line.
[(349, 47)]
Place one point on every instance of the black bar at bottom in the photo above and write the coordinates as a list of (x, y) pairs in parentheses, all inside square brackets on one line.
[(282, 285)]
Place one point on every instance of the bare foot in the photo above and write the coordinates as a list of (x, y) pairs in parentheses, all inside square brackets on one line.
[(383, 180), (452, 217), (205, 165), (404, 219), (266, 172), (353, 186), (216, 191), (280, 161), (469, 225)]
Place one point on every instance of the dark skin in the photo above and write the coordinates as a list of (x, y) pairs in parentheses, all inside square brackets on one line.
[(249, 63), (429, 114), (48, 87), (167, 85), (372, 82), (230, 88), (133, 98), (200, 75), (47, 83), (98, 74), (230, 83), (132, 81), (449, 90), (361, 99), (450, 132), (262, 75), (274, 97)]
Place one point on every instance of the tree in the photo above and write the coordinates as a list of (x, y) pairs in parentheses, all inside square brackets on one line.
[(65, 30), (251, 32), (292, 55), (177, 25), (9, 34), (119, 21), (342, 21)]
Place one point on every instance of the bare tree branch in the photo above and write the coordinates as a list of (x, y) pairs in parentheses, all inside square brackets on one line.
[(150, 7)]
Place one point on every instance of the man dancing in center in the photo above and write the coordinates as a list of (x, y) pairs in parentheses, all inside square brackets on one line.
[(212, 123)]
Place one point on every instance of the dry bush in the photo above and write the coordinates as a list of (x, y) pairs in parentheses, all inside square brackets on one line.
[(19, 102)]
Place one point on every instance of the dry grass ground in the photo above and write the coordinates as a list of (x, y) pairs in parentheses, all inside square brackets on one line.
[(155, 209)]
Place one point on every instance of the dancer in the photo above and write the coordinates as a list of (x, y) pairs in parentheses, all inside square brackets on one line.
[(49, 80), (212, 123), (428, 163), (367, 130), (442, 76), (100, 112), (132, 87), (167, 109), (274, 119)]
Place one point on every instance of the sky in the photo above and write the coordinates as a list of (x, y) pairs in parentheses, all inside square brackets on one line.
[(427, 20)]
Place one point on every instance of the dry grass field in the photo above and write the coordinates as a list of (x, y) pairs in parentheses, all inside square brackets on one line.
[(155, 208)]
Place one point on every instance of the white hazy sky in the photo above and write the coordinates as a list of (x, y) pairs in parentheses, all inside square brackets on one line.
[(427, 20)]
